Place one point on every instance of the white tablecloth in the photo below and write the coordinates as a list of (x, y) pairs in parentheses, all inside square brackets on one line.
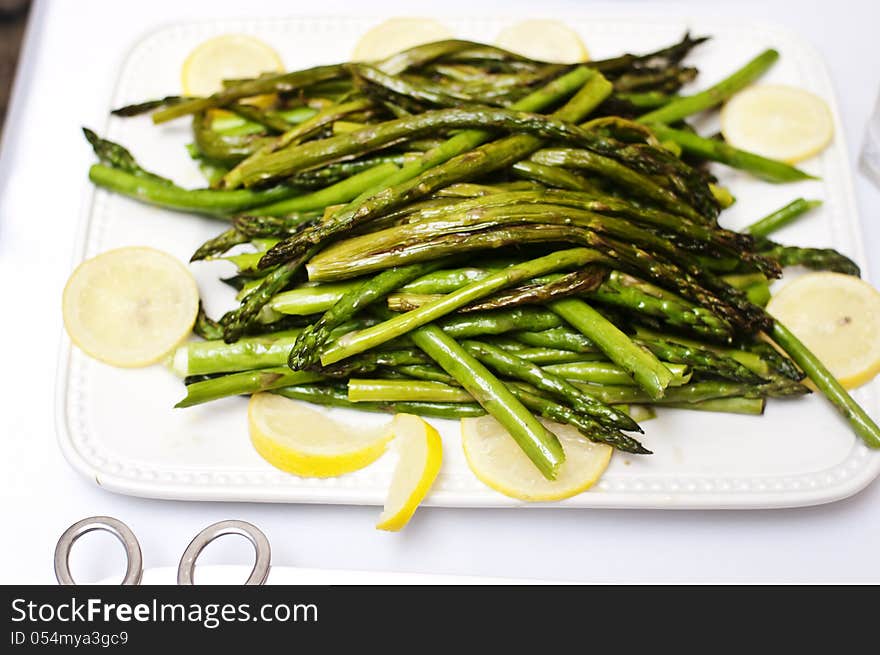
[(68, 68)]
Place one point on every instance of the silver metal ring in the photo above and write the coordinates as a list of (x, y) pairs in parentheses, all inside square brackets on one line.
[(135, 563), (263, 553)]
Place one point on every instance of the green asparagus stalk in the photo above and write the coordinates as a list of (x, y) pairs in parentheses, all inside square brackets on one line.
[(550, 355), (310, 298), (701, 360), (338, 397), (219, 244), (233, 178), (282, 82), (288, 161), (510, 365), (363, 340), (648, 372), (694, 392), (539, 444), (562, 338), (238, 320), (609, 373), (781, 217), (334, 194), (819, 259), (368, 362), (734, 405), (113, 155), (248, 382), (199, 201), (635, 295), (683, 107), (479, 324), (308, 346), (553, 176), (585, 425), (770, 170), (858, 418), (427, 372), (362, 390), (261, 351), (634, 182)]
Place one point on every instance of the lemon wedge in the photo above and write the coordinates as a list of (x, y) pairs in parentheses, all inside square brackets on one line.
[(293, 437), (396, 34), (227, 57), (780, 122), (496, 459), (130, 307), (421, 452), (837, 317), (545, 40)]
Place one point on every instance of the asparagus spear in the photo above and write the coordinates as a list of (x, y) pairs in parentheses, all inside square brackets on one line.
[(781, 217), (648, 372), (293, 135), (733, 405), (479, 324), (548, 355), (200, 201), (767, 169), (338, 397), (630, 293), (861, 423), (282, 82), (695, 392), (334, 194), (562, 338), (596, 372), (247, 382), (219, 244), (511, 366), (683, 107), (819, 259), (637, 183), (585, 425), (534, 292), (308, 346), (552, 176), (539, 444), (365, 390), (115, 156), (265, 350), (374, 360), (358, 342), (701, 360), (286, 162)]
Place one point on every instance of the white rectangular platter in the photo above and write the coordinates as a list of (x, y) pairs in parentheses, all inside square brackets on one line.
[(119, 427)]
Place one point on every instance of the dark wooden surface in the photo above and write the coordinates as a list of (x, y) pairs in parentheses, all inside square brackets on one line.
[(13, 16)]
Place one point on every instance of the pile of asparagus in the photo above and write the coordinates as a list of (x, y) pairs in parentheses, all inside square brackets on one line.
[(459, 230)]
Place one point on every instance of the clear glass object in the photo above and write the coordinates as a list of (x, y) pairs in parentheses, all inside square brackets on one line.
[(869, 160)]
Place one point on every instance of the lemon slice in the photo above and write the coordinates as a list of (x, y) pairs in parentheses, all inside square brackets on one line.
[(396, 34), (545, 40), (131, 306), (292, 436), (837, 317), (227, 57), (421, 452), (780, 122), (497, 460)]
